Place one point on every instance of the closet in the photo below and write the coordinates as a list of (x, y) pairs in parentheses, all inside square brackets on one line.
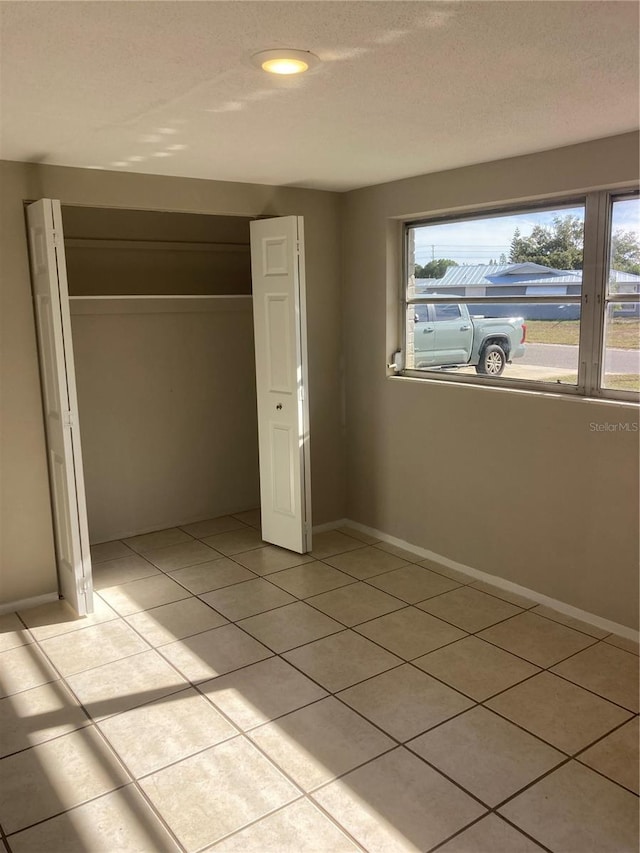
[(162, 331), (146, 326)]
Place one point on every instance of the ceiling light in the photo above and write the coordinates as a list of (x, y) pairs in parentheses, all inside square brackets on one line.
[(285, 61)]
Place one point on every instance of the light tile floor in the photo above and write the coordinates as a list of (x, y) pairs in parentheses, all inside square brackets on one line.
[(227, 695)]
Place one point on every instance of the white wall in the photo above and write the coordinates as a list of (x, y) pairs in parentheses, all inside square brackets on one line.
[(515, 484)]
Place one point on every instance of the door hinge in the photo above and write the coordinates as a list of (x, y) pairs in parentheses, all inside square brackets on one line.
[(56, 241), (67, 419), (298, 247), (301, 393), (83, 585)]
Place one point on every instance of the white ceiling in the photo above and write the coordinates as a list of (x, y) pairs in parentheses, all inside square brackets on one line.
[(404, 88)]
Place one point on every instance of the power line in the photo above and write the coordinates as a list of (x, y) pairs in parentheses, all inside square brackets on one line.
[(465, 245), (453, 254)]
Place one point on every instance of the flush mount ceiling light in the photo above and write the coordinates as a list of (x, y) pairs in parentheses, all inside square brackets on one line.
[(285, 61)]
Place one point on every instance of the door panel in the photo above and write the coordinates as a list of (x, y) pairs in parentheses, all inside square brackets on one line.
[(51, 305), (424, 336), (282, 449), (277, 263), (453, 335), (278, 329)]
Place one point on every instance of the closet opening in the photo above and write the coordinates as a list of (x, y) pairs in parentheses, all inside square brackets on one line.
[(162, 330), (179, 342)]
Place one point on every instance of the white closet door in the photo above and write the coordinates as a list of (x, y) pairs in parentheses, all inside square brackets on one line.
[(279, 312), (51, 299)]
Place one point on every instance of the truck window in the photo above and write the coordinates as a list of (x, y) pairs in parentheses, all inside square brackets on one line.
[(448, 312)]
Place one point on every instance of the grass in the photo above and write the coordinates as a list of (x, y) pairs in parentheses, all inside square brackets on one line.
[(621, 334), (612, 381)]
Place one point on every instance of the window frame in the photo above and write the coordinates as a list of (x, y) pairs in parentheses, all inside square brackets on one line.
[(593, 300)]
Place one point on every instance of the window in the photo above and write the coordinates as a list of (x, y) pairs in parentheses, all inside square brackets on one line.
[(545, 297)]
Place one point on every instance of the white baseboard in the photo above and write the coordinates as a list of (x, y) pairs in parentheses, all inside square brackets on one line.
[(501, 583), (28, 603), (329, 525)]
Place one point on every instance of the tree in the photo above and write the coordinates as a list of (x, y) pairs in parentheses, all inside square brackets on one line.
[(435, 269), (558, 246), (517, 246), (625, 252)]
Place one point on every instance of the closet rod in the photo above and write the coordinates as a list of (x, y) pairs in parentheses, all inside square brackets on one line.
[(169, 296), (158, 245)]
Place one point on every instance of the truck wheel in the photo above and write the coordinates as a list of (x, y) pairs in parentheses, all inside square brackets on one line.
[(492, 361)]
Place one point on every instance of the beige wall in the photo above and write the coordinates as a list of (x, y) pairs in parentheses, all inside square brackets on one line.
[(167, 406), (111, 251), (27, 559), (514, 484), (426, 462), (166, 389)]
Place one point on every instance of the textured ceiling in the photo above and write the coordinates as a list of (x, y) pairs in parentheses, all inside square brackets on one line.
[(404, 88)]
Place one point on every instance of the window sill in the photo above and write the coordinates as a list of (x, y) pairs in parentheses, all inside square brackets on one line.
[(573, 396)]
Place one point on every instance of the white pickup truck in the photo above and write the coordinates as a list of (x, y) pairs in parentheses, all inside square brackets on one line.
[(446, 335)]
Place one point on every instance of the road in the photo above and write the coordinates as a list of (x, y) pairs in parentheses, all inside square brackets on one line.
[(563, 356)]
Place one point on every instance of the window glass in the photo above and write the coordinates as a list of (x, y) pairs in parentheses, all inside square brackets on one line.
[(447, 312), (421, 313), (621, 362), (522, 272)]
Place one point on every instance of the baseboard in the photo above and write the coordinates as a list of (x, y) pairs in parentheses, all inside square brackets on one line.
[(501, 583), (28, 603), (329, 525)]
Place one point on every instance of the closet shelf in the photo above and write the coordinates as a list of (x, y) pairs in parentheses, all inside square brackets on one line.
[(166, 296), (155, 245)]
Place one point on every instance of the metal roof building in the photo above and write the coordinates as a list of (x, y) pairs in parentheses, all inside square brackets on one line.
[(526, 279)]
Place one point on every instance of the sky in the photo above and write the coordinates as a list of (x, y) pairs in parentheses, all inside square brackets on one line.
[(478, 241)]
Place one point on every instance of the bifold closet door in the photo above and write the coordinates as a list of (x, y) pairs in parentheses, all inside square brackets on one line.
[(51, 301), (279, 312)]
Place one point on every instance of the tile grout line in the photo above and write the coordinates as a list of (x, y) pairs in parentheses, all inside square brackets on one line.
[(4, 839), (413, 560), (334, 694), (351, 628), (245, 736), (113, 754), (458, 832), (404, 661), (577, 755), (239, 733), (569, 757), (182, 688), (304, 798), (70, 809), (279, 655)]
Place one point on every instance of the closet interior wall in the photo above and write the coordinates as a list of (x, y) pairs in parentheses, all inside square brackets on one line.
[(166, 385)]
